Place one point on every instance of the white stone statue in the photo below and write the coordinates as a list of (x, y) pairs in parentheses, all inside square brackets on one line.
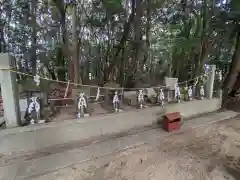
[(202, 93), (82, 104), (177, 93), (206, 69), (37, 79), (161, 97), (98, 94), (190, 93), (34, 110), (140, 98), (116, 102), (220, 76), (185, 91)]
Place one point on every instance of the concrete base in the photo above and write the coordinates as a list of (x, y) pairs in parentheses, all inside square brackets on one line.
[(46, 135)]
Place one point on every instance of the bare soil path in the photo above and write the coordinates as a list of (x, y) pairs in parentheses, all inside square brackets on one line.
[(206, 153)]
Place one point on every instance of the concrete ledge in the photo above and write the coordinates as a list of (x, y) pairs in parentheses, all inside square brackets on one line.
[(32, 138), (193, 108)]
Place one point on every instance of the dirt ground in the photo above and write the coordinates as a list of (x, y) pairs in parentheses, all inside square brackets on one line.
[(207, 153)]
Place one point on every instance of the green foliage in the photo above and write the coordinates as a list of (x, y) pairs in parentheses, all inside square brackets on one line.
[(235, 6), (171, 35), (113, 6)]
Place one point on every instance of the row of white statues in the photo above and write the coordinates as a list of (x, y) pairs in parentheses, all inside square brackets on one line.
[(33, 110), (189, 92), (82, 103), (34, 106)]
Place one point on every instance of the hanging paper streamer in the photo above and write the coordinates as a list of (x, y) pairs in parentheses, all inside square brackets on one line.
[(190, 93), (116, 102), (140, 98), (37, 79), (161, 97), (82, 105), (34, 110), (196, 82), (177, 93), (202, 93), (98, 94), (66, 90)]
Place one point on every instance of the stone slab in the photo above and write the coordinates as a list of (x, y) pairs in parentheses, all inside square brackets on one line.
[(171, 82)]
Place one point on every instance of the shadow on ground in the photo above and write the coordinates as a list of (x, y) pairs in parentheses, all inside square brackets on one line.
[(233, 172)]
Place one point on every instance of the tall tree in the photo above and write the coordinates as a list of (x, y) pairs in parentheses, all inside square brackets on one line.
[(75, 45)]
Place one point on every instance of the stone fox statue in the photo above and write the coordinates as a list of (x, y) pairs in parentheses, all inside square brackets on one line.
[(116, 102), (140, 98), (82, 105), (32, 114)]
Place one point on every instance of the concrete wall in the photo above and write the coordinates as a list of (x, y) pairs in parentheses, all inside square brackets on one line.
[(38, 136)]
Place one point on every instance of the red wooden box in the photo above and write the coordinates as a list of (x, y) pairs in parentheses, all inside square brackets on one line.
[(171, 121)]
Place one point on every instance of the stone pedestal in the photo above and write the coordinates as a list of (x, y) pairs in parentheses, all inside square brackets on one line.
[(170, 95), (170, 84), (9, 91), (130, 98), (210, 81), (219, 93)]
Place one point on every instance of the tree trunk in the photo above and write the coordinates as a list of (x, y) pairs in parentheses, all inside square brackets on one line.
[(2, 41), (122, 43), (205, 43), (137, 27), (107, 74), (63, 52), (179, 58), (232, 76), (148, 27), (236, 86), (75, 52), (136, 62), (33, 56)]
